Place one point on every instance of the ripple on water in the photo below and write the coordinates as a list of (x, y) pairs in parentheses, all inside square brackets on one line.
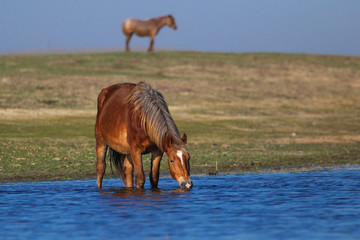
[(316, 205)]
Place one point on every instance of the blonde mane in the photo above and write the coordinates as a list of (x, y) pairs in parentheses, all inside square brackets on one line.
[(156, 119)]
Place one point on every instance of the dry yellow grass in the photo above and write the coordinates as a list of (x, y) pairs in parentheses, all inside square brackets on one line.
[(246, 111), (42, 113)]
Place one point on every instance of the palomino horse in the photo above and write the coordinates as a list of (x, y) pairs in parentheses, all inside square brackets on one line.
[(132, 120), (148, 27)]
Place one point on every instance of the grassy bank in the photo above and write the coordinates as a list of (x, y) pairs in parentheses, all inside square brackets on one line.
[(246, 111)]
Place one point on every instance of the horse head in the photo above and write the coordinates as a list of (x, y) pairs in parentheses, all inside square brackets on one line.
[(171, 22), (179, 161)]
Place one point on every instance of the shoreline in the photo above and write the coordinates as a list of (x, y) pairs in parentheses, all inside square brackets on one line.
[(330, 168)]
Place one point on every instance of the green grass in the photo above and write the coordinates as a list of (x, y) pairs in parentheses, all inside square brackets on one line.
[(247, 112)]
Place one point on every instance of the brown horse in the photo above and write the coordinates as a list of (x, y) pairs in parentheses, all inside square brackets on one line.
[(148, 27), (132, 120)]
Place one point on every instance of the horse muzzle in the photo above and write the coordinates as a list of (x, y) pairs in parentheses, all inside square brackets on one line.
[(186, 184)]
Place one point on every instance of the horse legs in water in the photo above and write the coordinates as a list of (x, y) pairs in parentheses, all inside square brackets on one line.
[(139, 171), (101, 164), (128, 169), (128, 37), (155, 166)]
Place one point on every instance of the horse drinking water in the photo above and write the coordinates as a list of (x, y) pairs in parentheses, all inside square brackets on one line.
[(132, 120), (148, 27)]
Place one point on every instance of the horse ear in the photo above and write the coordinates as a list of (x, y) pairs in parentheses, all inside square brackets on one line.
[(167, 141), (184, 138)]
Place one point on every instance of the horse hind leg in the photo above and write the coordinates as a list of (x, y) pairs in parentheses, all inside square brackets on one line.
[(101, 149), (124, 166), (117, 159), (128, 37)]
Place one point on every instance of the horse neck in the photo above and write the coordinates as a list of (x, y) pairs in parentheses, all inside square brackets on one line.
[(161, 21)]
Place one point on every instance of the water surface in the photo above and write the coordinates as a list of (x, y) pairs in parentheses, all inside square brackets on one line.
[(313, 205)]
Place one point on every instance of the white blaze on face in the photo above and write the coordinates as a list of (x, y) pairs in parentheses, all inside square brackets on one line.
[(180, 155)]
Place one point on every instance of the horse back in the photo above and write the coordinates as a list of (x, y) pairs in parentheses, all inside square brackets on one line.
[(139, 27), (112, 116), (117, 91)]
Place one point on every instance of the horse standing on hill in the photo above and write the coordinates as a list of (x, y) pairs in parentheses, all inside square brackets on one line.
[(148, 27), (132, 120)]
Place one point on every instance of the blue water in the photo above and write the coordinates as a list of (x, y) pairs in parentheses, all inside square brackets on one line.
[(311, 205)]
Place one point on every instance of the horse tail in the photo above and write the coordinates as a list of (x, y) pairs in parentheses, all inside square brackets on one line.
[(117, 159), (101, 98)]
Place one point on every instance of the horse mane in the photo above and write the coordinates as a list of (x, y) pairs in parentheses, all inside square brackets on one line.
[(166, 16), (155, 116)]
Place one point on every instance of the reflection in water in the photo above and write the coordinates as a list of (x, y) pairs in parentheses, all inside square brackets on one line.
[(124, 191), (315, 205), (133, 196)]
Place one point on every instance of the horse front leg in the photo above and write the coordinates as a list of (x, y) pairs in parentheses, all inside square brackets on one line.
[(128, 37), (156, 157), (101, 149), (128, 171), (151, 43), (139, 171)]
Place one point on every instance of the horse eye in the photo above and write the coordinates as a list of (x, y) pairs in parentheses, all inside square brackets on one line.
[(172, 161)]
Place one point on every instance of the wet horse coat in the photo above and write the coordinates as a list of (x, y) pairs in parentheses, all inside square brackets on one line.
[(144, 28), (132, 120)]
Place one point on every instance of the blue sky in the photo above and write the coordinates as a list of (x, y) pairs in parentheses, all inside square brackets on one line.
[(288, 26)]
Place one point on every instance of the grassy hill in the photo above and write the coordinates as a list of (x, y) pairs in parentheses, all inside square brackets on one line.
[(248, 112)]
